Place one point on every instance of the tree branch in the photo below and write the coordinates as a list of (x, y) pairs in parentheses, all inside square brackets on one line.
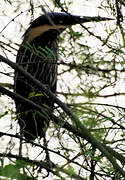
[(82, 130), (42, 164)]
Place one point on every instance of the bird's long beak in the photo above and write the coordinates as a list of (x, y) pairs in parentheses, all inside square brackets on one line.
[(83, 19)]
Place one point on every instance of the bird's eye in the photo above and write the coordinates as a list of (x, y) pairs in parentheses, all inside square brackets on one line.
[(60, 22)]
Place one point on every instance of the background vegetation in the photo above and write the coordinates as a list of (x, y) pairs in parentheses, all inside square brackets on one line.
[(86, 136)]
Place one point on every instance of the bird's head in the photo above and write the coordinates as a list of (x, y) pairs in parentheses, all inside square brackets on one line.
[(58, 21)]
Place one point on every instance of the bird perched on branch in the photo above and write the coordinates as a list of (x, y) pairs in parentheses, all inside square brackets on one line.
[(38, 56)]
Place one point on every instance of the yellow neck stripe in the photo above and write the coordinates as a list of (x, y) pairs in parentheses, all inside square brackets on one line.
[(37, 31)]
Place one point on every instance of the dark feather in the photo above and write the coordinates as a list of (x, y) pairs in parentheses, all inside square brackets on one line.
[(38, 56), (44, 68)]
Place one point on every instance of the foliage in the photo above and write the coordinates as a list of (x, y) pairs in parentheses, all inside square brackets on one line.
[(86, 140)]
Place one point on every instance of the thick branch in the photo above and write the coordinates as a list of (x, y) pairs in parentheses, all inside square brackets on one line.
[(55, 119), (79, 126)]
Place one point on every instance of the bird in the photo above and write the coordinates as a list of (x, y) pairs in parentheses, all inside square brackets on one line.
[(38, 55)]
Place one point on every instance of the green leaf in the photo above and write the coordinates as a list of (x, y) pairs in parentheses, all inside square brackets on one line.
[(71, 170), (10, 171), (13, 171), (3, 114)]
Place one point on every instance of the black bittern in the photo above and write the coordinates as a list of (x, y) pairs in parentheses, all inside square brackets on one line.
[(38, 56)]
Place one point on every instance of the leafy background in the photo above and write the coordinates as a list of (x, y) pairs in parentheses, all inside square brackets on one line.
[(91, 78)]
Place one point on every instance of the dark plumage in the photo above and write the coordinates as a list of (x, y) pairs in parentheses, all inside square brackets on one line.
[(38, 56)]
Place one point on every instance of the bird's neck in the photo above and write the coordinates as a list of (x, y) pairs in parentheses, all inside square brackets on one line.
[(47, 39)]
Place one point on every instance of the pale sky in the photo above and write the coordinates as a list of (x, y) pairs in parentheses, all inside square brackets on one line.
[(12, 32)]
